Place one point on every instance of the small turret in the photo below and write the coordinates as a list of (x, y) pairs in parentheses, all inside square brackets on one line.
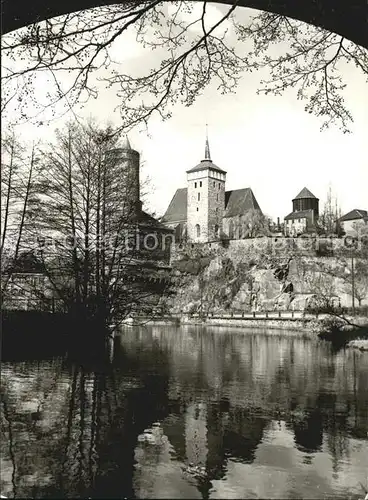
[(125, 144)]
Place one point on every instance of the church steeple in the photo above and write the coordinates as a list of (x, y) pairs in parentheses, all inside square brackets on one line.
[(207, 154)]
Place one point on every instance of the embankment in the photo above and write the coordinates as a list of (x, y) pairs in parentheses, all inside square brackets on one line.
[(242, 278)]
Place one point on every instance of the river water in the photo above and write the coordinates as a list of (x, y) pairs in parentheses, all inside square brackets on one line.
[(227, 414)]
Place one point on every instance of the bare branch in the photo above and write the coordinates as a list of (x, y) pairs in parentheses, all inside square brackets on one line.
[(71, 49)]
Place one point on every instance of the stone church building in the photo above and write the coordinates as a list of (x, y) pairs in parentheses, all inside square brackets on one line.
[(204, 211)]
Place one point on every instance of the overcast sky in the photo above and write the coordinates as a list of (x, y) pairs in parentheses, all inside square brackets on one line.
[(267, 143)]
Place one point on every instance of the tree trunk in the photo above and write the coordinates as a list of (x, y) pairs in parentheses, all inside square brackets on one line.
[(8, 194), (73, 225)]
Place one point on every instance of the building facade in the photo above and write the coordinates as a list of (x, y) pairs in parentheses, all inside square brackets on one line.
[(204, 211), (27, 286), (354, 219), (304, 216)]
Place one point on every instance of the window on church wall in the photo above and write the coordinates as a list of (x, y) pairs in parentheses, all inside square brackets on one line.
[(214, 184), (195, 184), (198, 230), (200, 184), (216, 199), (199, 196), (197, 209), (219, 185)]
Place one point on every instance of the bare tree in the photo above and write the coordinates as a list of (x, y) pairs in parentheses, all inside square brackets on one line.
[(20, 171), (360, 282), (193, 52), (322, 284), (254, 223), (355, 265), (329, 220), (88, 207)]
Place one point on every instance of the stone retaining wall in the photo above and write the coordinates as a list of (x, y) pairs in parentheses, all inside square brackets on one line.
[(290, 324), (284, 324)]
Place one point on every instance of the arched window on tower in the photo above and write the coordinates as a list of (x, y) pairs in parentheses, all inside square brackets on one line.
[(198, 230)]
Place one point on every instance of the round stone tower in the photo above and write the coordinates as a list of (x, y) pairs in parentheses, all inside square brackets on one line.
[(126, 162)]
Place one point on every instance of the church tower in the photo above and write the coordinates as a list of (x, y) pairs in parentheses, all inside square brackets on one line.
[(205, 199)]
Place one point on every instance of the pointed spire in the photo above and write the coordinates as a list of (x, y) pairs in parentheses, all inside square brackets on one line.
[(207, 154), (125, 143)]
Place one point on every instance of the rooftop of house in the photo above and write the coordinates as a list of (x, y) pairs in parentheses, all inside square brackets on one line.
[(354, 215), (305, 193), (301, 214), (237, 202)]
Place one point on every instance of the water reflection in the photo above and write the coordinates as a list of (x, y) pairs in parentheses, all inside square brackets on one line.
[(241, 416)]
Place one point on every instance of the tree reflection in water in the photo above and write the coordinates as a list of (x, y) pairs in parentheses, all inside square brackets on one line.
[(83, 442), (230, 406)]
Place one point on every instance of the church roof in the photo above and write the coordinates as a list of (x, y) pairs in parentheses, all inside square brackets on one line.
[(237, 202), (204, 165), (354, 215), (301, 214), (305, 193), (177, 210)]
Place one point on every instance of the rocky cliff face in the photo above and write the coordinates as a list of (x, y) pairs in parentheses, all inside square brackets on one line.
[(248, 280)]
